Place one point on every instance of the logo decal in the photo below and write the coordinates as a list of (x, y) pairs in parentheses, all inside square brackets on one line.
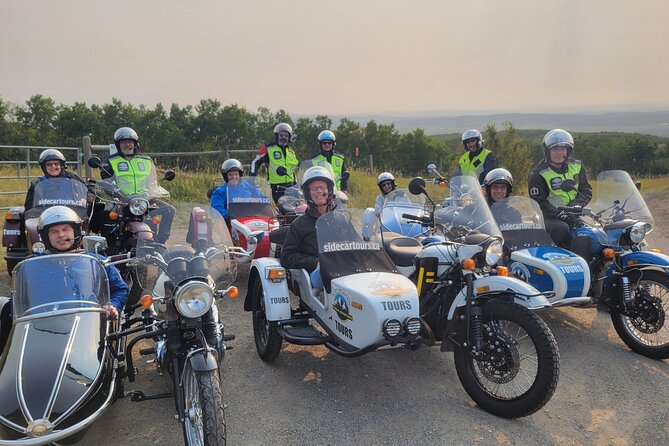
[(520, 271), (141, 167), (340, 306), (123, 167), (556, 257), (534, 191), (555, 183), (277, 155)]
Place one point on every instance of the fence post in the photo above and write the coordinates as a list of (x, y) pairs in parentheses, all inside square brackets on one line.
[(371, 164), (86, 144)]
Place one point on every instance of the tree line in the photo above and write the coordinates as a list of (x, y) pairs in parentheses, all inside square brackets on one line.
[(212, 126)]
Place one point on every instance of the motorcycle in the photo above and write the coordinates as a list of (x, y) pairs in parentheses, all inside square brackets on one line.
[(125, 219), (505, 355), (633, 284), (19, 232), (251, 215), (58, 373), (182, 279)]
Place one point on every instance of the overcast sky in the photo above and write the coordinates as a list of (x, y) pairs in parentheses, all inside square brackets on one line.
[(340, 57)]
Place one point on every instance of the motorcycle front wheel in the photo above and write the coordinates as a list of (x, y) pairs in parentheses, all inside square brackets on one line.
[(518, 368), (645, 331), (205, 413)]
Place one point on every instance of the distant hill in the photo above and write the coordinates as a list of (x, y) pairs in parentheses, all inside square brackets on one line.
[(652, 123)]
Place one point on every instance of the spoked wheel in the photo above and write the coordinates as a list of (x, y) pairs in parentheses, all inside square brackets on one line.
[(517, 369), (268, 340), (645, 330), (205, 413)]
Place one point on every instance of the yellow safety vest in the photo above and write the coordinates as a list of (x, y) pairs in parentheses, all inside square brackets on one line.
[(556, 196), (277, 159)]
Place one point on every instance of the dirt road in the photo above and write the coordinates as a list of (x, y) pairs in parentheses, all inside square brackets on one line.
[(607, 395)]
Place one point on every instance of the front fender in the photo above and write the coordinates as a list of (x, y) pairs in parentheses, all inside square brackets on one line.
[(274, 294), (203, 361), (636, 259), (523, 293)]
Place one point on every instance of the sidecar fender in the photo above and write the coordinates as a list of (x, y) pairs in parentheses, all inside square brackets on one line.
[(636, 259), (274, 292), (522, 293)]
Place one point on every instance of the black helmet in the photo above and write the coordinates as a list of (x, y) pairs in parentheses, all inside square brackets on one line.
[(57, 215), (317, 173), (51, 155), (557, 138), (125, 133), (498, 176), (231, 164), (385, 176)]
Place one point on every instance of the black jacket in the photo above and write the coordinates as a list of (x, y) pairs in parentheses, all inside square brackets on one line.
[(300, 249), (539, 191)]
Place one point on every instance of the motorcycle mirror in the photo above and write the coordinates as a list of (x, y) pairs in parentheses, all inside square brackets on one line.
[(281, 171), (638, 185), (95, 162), (568, 185), (210, 191), (417, 186), (431, 168), (170, 175), (345, 175), (94, 243)]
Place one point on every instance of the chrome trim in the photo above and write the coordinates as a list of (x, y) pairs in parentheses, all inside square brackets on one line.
[(61, 369), (19, 380), (60, 313)]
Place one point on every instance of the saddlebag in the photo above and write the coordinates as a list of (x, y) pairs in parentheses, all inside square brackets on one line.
[(11, 232)]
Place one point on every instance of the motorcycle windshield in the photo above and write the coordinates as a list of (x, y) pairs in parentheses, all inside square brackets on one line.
[(249, 197), (197, 246), (59, 282), (146, 187), (521, 221), (344, 251), (59, 192), (465, 211), (290, 201), (617, 199), (399, 202)]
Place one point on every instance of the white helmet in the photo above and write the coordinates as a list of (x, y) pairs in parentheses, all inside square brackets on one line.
[(283, 127), (385, 176), (125, 133), (317, 173), (558, 138), (51, 155), (57, 215), (472, 134), (231, 164)]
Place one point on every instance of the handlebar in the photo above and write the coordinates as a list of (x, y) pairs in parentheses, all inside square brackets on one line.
[(424, 219)]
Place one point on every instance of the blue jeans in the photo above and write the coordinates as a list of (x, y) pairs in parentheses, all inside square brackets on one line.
[(316, 280)]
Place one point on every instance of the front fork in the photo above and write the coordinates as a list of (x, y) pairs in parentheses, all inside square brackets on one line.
[(474, 315)]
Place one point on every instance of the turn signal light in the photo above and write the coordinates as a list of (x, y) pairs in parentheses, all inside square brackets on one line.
[(233, 292), (608, 253), (655, 250), (276, 274), (468, 264), (503, 271), (155, 219), (113, 215), (442, 184), (146, 300)]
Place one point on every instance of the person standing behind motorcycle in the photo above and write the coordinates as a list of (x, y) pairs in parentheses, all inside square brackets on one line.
[(279, 154), (131, 169), (498, 184), (300, 249), (326, 144), (547, 177), (52, 163), (386, 183), (60, 230), (476, 160), (232, 172)]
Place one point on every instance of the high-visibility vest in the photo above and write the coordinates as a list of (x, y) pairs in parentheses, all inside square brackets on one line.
[(556, 196), (277, 159), (336, 161), (131, 172), (473, 166)]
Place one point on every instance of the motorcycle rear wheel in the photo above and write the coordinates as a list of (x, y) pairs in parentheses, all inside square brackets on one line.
[(647, 333), (267, 338), (522, 372), (205, 413)]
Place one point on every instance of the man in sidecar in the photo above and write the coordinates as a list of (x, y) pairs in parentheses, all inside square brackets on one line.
[(498, 184), (232, 172), (386, 183), (52, 163)]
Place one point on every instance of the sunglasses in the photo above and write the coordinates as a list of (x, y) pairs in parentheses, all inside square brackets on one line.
[(326, 143), (52, 164)]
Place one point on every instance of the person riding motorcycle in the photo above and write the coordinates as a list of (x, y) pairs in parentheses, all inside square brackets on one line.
[(498, 185), (476, 160), (300, 249), (327, 142), (547, 177), (52, 163), (232, 172), (386, 183), (130, 168), (278, 154)]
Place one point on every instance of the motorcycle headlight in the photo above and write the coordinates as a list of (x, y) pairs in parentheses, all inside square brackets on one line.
[(493, 253), (138, 206), (194, 299), (638, 231)]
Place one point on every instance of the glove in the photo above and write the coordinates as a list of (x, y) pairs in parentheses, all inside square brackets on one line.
[(564, 216)]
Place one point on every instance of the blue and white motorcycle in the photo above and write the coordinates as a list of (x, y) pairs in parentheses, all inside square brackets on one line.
[(632, 283)]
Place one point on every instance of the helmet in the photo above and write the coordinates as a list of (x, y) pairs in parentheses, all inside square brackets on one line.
[(385, 176), (317, 173), (125, 133), (496, 176), (327, 135), (51, 155), (470, 134), (57, 215), (557, 138), (231, 164), (283, 127)]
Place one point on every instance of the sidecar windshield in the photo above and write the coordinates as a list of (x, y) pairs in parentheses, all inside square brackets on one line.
[(617, 198), (59, 192), (521, 221), (249, 197), (59, 282), (465, 211), (399, 202), (344, 251)]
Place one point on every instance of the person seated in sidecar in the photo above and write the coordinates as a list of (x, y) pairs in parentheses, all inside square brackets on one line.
[(52, 163), (232, 171), (547, 177), (60, 229), (300, 249), (387, 185), (498, 185)]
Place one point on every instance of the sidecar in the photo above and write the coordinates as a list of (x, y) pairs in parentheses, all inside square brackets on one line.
[(532, 256), (57, 373)]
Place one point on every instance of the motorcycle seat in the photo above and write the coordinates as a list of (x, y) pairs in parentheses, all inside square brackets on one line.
[(402, 250)]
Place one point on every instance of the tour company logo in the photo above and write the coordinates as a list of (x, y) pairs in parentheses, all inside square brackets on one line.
[(351, 246)]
